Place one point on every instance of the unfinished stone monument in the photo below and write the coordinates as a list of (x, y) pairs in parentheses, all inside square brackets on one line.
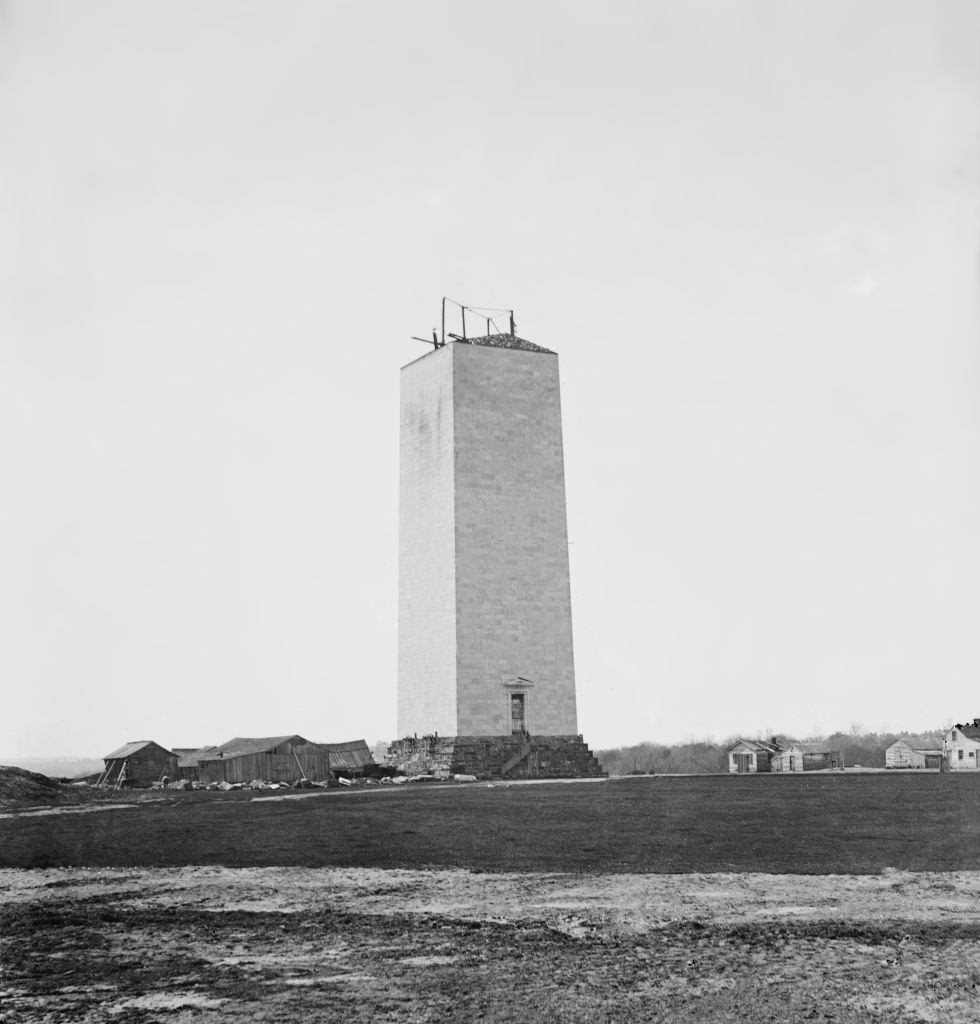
[(486, 680)]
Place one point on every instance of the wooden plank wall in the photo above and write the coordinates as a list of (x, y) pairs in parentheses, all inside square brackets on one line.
[(145, 767), (269, 767), (280, 764), (246, 767), (823, 759)]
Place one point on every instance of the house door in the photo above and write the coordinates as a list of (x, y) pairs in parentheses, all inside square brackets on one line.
[(742, 762), (517, 718)]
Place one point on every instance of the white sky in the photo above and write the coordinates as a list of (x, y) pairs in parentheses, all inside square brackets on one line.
[(750, 229)]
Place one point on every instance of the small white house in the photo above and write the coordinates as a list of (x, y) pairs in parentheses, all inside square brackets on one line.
[(751, 756), (962, 747), (915, 752)]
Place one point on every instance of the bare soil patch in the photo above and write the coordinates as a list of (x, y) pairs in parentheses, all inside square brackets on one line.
[(367, 945)]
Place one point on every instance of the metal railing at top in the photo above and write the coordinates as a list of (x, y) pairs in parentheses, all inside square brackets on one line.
[(483, 315)]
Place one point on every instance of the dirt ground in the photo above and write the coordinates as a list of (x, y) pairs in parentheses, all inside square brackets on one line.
[(214, 944)]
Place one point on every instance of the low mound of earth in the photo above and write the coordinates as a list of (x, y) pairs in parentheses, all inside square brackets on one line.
[(21, 788), (366, 946)]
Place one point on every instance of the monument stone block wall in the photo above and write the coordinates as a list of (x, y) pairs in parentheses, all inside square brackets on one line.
[(426, 549), (513, 602)]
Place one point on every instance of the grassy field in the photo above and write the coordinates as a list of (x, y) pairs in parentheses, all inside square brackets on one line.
[(809, 824)]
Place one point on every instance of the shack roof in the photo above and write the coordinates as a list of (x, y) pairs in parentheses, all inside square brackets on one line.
[(188, 757), (242, 745), (971, 732), (926, 743), (757, 745), (128, 749)]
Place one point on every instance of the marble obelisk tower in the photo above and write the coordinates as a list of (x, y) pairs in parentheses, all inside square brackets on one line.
[(486, 678)]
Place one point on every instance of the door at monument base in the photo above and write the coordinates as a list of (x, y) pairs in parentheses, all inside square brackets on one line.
[(517, 717)]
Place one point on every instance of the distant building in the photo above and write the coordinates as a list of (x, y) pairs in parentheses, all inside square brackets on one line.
[(139, 763), (915, 752), (746, 757), (817, 758), (280, 759), (962, 746), (787, 759)]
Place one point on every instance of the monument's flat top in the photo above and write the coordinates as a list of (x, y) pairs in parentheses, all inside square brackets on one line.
[(508, 341)]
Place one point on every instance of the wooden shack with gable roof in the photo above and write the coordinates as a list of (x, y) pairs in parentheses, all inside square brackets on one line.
[(748, 757), (924, 751), (139, 764), (188, 759)]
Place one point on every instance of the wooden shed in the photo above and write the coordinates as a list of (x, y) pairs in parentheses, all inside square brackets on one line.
[(817, 758), (915, 752), (139, 763), (787, 759), (751, 756), (320, 760), (280, 759), (805, 757), (188, 760)]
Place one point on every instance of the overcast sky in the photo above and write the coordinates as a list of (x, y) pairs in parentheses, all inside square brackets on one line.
[(749, 229)]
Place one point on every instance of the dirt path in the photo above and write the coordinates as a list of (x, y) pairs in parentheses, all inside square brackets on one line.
[(217, 944), (85, 809)]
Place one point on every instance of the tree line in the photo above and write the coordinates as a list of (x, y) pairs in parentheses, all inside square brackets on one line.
[(702, 757)]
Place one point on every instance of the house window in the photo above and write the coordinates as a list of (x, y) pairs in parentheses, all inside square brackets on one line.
[(959, 754)]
